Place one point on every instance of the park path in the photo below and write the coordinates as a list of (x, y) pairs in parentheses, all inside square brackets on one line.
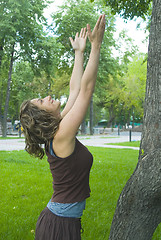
[(96, 141)]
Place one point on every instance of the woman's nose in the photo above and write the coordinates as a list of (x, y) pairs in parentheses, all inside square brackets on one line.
[(48, 98)]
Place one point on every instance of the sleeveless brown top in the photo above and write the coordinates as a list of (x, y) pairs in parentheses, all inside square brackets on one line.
[(71, 175)]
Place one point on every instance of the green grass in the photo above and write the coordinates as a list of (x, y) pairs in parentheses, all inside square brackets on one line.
[(109, 137), (3, 138), (130, 144), (26, 187)]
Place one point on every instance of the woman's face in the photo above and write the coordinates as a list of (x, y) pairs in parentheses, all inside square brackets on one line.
[(47, 104)]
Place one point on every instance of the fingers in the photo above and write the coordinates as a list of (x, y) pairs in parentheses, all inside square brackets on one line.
[(98, 22), (89, 30), (83, 33), (103, 21), (71, 40), (86, 35), (77, 35), (96, 36)]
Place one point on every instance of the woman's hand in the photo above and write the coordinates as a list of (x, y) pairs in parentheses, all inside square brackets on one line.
[(96, 36), (79, 43)]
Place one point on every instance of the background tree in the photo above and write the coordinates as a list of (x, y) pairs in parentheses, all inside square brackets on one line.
[(130, 9), (132, 93), (114, 89), (22, 79), (37, 75), (20, 27), (3, 83)]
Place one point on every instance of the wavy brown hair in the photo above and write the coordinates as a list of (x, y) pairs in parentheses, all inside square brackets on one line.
[(39, 127)]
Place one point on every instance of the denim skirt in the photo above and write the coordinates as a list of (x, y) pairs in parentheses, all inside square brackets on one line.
[(52, 227)]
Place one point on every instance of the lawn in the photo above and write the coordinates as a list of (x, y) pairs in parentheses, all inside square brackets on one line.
[(129, 144), (26, 187), (15, 137)]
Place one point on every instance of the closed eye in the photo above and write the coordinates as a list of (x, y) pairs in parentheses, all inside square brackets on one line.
[(40, 100)]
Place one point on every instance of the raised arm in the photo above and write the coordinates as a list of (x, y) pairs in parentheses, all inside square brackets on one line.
[(90, 74), (78, 44), (64, 140)]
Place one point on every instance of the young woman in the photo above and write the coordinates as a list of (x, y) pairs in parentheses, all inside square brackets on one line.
[(70, 162)]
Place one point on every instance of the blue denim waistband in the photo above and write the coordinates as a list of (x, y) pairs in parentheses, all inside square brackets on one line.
[(74, 210)]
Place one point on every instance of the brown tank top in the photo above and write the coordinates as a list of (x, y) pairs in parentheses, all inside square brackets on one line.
[(71, 175)]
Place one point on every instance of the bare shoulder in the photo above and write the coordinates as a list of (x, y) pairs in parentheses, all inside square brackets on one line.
[(63, 146)]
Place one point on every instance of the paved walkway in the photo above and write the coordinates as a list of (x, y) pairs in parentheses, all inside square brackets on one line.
[(96, 141)]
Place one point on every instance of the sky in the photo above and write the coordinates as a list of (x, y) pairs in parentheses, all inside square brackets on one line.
[(138, 36)]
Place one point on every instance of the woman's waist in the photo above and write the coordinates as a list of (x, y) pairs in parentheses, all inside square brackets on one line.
[(72, 194), (74, 210)]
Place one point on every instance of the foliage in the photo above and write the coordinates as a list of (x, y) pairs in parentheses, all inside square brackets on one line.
[(126, 50), (68, 20), (46, 59), (22, 79), (35, 53), (20, 27), (129, 9), (37, 75), (3, 81), (44, 64), (133, 94), (60, 86), (125, 97)]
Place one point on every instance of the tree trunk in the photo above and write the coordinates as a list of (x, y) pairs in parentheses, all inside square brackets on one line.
[(83, 127), (1, 100), (133, 117), (4, 125), (1, 50), (1, 96), (111, 117), (138, 210), (91, 116)]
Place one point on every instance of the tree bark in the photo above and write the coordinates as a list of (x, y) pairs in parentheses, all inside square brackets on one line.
[(4, 125), (1, 53), (83, 127), (1, 96), (111, 116), (138, 210), (1, 99)]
